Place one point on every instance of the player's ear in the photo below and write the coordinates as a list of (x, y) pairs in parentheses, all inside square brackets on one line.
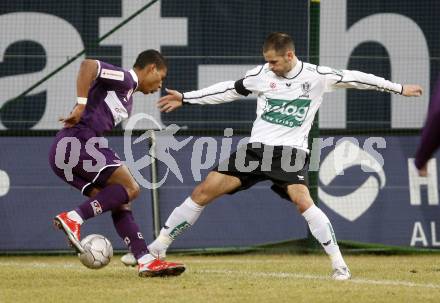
[(152, 67), (149, 68), (290, 54)]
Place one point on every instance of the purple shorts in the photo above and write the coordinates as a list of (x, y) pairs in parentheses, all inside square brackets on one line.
[(82, 159)]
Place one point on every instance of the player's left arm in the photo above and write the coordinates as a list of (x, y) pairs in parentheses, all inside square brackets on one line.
[(430, 136), (360, 80), (429, 142)]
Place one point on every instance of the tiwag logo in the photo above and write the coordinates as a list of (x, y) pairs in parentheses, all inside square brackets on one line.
[(291, 113), (345, 155)]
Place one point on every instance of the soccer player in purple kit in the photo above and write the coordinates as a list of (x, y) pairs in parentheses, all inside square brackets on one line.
[(104, 100), (430, 137)]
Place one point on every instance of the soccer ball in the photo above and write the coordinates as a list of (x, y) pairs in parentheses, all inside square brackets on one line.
[(97, 251)]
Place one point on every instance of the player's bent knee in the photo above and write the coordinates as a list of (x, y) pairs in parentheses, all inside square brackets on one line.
[(133, 191), (201, 194), (123, 207), (198, 193), (93, 192), (302, 202)]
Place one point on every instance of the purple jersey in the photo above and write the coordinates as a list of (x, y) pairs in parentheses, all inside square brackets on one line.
[(110, 98), (430, 139), (109, 102)]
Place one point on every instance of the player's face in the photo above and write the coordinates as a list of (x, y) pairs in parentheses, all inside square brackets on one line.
[(280, 64), (151, 79)]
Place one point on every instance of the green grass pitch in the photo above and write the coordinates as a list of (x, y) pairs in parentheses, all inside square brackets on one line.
[(225, 278)]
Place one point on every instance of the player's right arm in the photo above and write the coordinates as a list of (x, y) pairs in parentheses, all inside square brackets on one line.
[(86, 75), (218, 93), (88, 72)]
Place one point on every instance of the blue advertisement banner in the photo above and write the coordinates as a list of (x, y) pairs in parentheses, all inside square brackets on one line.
[(369, 188), (31, 195), (387, 204)]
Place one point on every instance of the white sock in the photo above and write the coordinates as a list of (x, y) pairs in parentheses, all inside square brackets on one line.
[(180, 219), (322, 230), (145, 259), (73, 215)]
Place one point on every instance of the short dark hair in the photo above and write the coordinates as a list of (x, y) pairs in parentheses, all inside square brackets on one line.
[(278, 41), (150, 56)]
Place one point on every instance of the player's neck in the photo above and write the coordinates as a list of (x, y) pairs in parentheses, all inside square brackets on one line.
[(138, 74), (292, 64)]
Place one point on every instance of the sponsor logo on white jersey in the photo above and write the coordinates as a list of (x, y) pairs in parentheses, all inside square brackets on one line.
[(306, 89), (290, 113)]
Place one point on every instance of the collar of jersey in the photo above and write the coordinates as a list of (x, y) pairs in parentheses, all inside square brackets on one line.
[(135, 77), (294, 72)]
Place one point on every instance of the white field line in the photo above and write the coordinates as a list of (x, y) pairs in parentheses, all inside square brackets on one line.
[(41, 265), (300, 276)]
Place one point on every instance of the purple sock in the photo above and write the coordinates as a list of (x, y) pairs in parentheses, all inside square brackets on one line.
[(128, 230), (107, 199)]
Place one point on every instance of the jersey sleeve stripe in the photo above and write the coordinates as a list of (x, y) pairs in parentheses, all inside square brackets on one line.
[(99, 69), (207, 95), (374, 85), (321, 73), (253, 75)]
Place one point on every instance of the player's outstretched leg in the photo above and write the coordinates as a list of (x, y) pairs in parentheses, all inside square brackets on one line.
[(180, 219), (70, 222), (215, 185), (321, 229)]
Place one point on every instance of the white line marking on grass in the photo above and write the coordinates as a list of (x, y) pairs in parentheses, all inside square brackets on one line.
[(235, 261), (285, 275), (40, 265)]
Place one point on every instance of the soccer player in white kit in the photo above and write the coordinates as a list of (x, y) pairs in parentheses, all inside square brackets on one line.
[(289, 93)]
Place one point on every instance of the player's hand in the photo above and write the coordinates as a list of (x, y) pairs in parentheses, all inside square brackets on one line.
[(423, 172), (412, 90), (74, 116), (170, 102)]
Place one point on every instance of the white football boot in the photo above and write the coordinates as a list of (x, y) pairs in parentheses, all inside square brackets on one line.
[(129, 260), (341, 274)]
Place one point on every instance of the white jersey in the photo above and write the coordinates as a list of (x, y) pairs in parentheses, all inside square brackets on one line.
[(286, 106)]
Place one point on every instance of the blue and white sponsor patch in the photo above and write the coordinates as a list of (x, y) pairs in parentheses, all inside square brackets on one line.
[(112, 74), (96, 206)]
